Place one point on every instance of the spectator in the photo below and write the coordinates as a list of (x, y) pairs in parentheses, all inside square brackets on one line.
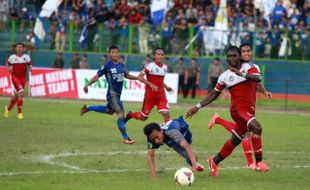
[(169, 66), (180, 69), (91, 31), (26, 16), (114, 31), (101, 11), (58, 62), (124, 29), (61, 32), (4, 10), (13, 14), (278, 12), (84, 64), (31, 42), (214, 71), (53, 30), (192, 78), (146, 61), (144, 30), (75, 62), (166, 33), (134, 17), (267, 48), (154, 40), (104, 58), (75, 19)]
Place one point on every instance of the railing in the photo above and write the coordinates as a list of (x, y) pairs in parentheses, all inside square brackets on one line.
[(130, 41)]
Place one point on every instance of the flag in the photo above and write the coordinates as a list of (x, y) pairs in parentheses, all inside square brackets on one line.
[(268, 8), (82, 39), (159, 9), (221, 26), (41, 26)]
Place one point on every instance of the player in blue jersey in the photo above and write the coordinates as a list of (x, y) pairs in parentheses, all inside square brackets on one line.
[(114, 72), (175, 134)]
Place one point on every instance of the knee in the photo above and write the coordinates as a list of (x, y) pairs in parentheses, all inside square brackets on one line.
[(235, 141), (255, 127)]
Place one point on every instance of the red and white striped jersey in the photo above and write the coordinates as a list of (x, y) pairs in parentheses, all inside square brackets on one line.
[(243, 91), (19, 64)]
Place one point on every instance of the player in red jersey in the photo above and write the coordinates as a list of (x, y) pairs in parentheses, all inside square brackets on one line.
[(246, 56), (18, 64), (241, 80), (155, 73)]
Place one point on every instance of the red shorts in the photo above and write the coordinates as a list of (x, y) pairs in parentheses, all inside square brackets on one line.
[(152, 99), (19, 84), (242, 117)]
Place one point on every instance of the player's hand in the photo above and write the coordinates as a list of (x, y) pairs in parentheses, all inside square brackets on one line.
[(169, 89), (191, 112), (269, 95), (85, 89), (153, 87), (234, 70)]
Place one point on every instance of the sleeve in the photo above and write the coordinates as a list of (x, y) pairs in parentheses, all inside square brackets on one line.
[(147, 69), (102, 70), (8, 62), (175, 135), (254, 70), (220, 85)]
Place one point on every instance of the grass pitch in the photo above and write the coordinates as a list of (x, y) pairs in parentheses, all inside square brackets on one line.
[(55, 148)]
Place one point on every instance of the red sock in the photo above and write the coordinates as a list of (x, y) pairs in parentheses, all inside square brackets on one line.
[(247, 149), (226, 124), (227, 149), (12, 103), (19, 104), (257, 147), (135, 115)]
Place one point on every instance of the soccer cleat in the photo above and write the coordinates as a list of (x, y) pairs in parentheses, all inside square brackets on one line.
[(213, 167), (212, 121), (128, 141), (200, 167), (6, 112), (83, 110), (262, 167), (20, 116), (127, 118), (251, 166)]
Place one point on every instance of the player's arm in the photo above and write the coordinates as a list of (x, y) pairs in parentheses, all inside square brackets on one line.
[(207, 100), (30, 66), (264, 91), (92, 80), (251, 77), (151, 162), (168, 88), (190, 153), (141, 78), (9, 66)]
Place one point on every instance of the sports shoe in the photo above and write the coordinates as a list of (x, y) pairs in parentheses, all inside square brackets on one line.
[(213, 167), (200, 167), (261, 167), (127, 118), (128, 141), (83, 110), (212, 121), (20, 116), (6, 112), (251, 166)]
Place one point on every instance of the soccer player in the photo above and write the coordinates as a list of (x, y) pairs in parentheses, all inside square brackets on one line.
[(241, 80), (18, 64), (175, 134), (155, 73), (246, 56), (114, 72)]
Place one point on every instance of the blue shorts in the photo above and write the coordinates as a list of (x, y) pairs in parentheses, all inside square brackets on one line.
[(115, 104)]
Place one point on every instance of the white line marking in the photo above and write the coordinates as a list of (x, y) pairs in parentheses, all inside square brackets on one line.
[(48, 159)]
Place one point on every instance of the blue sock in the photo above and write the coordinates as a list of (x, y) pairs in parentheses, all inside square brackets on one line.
[(122, 127), (100, 109)]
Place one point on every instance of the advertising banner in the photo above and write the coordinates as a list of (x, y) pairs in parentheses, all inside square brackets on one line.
[(6, 85)]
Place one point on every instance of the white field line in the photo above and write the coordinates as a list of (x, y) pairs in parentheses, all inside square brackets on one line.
[(48, 159)]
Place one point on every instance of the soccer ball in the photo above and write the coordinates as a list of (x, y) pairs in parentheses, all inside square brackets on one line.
[(184, 177)]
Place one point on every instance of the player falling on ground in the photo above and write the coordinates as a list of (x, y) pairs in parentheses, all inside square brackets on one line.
[(241, 80), (18, 64), (155, 73), (246, 56), (175, 134), (114, 72)]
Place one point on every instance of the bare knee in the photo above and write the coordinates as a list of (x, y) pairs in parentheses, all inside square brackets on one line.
[(255, 127)]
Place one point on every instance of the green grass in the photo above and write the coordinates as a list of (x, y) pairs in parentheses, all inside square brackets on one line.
[(93, 144)]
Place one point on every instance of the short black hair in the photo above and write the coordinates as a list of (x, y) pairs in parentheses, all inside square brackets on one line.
[(112, 47), (194, 58), (19, 43), (158, 48), (233, 48), (217, 59), (149, 128), (244, 45)]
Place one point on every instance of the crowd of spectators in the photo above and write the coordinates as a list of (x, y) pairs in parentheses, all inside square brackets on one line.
[(284, 32)]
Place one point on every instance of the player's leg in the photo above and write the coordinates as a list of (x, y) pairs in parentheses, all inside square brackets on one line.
[(247, 150), (119, 109), (20, 105), (100, 109), (8, 108), (226, 150), (216, 119), (148, 105), (256, 129), (163, 108)]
